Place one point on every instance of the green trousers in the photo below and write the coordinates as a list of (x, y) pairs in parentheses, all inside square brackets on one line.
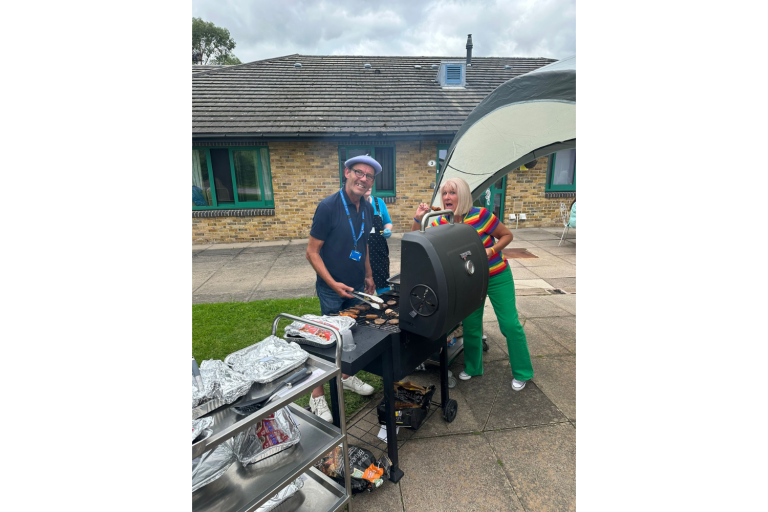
[(501, 291)]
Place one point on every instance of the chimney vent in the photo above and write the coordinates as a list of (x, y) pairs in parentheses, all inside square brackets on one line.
[(469, 49), (297, 65), (367, 66), (507, 66)]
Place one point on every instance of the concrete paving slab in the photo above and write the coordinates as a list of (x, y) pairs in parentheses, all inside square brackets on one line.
[(458, 472), (480, 392), (234, 281), (522, 273), (570, 258), (567, 302), (520, 244), (560, 329), (554, 271), (540, 342), (209, 298), (541, 464), (210, 264), (199, 277), (515, 263), (282, 293), (522, 408), (532, 234), (567, 284), (555, 242), (268, 249), (214, 254), (228, 246), (299, 241), (386, 498), (287, 282), (556, 377), (199, 248), (465, 422), (544, 259), (537, 307), (265, 258), (563, 249), (272, 243), (524, 284)]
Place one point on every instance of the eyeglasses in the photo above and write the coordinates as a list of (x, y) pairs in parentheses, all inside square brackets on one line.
[(363, 175)]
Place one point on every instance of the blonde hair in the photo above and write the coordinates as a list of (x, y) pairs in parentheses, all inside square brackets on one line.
[(462, 192)]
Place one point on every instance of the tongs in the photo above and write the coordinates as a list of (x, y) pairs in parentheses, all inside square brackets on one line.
[(245, 408), (371, 300)]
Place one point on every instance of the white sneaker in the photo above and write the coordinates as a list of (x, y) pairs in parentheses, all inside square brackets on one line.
[(485, 338), (357, 386), (518, 385), (320, 408), (464, 375)]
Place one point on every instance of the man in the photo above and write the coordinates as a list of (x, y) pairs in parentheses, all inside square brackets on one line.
[(337, 250)]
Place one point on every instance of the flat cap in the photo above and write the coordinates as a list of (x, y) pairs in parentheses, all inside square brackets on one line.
[(363, 159)]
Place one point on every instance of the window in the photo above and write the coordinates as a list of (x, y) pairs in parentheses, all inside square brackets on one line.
[(241, 178), (561, 174), (384, 185), (442, 154), (452, 73)]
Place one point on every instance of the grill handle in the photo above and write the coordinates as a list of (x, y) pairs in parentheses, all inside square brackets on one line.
[(431, 214)]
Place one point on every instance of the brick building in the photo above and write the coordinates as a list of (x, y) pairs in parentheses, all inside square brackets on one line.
[(269, 139)]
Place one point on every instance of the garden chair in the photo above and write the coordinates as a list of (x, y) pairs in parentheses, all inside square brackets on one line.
[(568, 218)]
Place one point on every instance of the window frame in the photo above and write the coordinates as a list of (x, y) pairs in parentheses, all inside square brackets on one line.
[(550, 175), (237, 204), (371, 150)]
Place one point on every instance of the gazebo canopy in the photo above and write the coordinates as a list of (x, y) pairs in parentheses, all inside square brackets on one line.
[(528, 117)]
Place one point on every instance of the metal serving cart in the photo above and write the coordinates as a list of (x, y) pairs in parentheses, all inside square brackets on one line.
[(245, 488)]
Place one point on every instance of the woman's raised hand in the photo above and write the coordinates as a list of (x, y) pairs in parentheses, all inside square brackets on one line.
[(422, 210)]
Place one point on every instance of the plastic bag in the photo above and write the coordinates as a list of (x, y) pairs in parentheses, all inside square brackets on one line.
[(311, 335), (363, 463), (267, 437), (267, 360)]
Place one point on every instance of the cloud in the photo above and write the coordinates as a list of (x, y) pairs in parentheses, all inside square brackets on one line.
[(512, 28)]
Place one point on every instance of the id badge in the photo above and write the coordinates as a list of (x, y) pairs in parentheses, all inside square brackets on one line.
[(354, 255)]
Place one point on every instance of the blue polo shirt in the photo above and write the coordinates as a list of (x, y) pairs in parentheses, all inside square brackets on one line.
[(330, 225)]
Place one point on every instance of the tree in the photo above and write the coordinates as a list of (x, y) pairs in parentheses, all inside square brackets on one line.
[(227, 60), (212, 42)]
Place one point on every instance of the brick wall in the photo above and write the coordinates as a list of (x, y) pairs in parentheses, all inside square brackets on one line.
[(303, 173), (526, 189)]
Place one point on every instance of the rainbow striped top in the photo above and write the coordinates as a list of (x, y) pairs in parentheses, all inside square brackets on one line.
[(484, 222)]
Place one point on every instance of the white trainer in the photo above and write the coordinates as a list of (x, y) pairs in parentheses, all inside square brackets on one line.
[(518, 385), (485, 338), (320, 408), (355, 385), (464, 375)]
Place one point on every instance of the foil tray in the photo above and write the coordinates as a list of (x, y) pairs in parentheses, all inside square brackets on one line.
[(267, 360)]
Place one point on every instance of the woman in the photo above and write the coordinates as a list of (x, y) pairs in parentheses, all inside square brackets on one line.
[(377, 242), (456, 196)]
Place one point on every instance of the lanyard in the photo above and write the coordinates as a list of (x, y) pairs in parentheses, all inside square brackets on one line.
[(349, 218)]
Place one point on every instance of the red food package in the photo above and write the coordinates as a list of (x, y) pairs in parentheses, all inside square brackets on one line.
[(269, 434), (311, 329)]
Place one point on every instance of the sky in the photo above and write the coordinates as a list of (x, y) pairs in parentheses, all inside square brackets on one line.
[(505, 28)]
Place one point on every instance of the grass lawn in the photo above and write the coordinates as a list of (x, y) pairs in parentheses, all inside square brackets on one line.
[(222, 328)]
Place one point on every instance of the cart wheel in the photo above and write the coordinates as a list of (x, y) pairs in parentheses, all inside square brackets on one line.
[(485, 346), (451, 382), (450, 410)]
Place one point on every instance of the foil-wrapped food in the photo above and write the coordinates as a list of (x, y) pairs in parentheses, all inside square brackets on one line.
[(211, 465), (267, 360), (228, 384), (199, 426), (267, 437), (282, 496), (315, 336)]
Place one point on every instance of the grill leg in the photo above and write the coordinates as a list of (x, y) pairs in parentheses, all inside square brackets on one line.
[(395, 473), (444, 384)]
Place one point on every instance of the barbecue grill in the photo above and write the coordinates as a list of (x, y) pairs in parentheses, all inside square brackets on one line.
[(444, 278)]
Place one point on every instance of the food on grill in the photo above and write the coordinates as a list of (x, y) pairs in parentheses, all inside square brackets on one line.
[(361, 307), (390, 312), (394, 321), (391, 302), (371, 317), (379, 321), (351, 315)]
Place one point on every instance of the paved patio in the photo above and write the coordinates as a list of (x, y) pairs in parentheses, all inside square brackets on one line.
[(504, 450)]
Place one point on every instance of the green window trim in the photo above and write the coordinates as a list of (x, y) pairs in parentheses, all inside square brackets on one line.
[(371, 150), (550, 176), (236, 203)]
